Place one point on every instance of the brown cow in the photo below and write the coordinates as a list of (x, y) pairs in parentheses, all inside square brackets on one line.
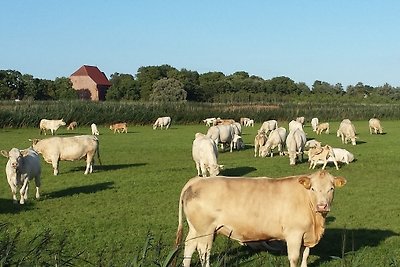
[(119, 127), (256, 209)]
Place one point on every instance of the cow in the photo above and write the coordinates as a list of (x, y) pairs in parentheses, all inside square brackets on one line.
[(209, 121), (243, 121), (222, 134), (312, 143), (93, 127), (293, 125), (295, 143), (220, 121), (276, 138), (162, 122), (322, 127), (259, 140), (72, 125), (22, 166), (291, 209), (249, 123), (301, 120), (342, 155), (375, 126), (268, 126), (238, 142), (72, 148), (347, 132), (119, 127), (51, 125), (205, 156), (314, 123), (320, 155)]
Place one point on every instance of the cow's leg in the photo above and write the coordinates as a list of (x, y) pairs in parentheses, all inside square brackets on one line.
[(204, 249), (305, 251), (54, 162), (203, 169), (89, 165), (24, 191), (293, 246), (231, 145), (190, 246), (198, 168), (14, 192), (324, 165), (38, 184)]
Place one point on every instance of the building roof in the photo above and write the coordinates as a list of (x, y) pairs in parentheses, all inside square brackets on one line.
[(94, 73)]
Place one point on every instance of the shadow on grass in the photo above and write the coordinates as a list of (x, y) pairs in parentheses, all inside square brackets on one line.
[(239, 171), (8, 206), (103, 167), (87, 189)]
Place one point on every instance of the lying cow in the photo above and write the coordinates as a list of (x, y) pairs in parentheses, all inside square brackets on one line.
[(119, 127), (94, 129), (291, 209), (22, 166), (72, 148), (205, 156), (72, 125), (341, 155), (162, 122), (375, 126), (322, 127), (51, 125), (320, 155)]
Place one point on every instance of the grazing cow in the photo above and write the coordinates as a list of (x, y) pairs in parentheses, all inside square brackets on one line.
[(259, 140), (243, 121), (250, 123), (320, 155), (51, 125), (375, 126), (268, 126), (162, 122), (238, 142), (293, 125), (93, 127), (222, 134), (119, 127), (347, 132), (22, 166), (323, 127), (72, 125), (301, 120), (295, 143), (209, 121), (291, 209), (314, 123), (205, 156), (237, 127), (276, 138), (72, 148)]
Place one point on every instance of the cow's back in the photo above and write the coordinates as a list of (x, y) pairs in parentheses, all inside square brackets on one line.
[(204, 150)]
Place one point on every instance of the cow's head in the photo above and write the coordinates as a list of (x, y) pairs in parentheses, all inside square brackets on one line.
[(321, 186), (14, 156), (62, 122), (215, 169)]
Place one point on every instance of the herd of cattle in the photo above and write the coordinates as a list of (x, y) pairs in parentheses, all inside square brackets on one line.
[(292, 209)]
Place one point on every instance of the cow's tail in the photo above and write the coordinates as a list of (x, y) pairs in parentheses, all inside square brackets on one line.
[(98, 149)]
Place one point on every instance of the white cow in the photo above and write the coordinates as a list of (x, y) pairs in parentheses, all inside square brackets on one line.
[(293, 125), (162, 122), (51, 125), (222, 134), (72, 148), (259, 140), (268, 126), (342, 155), (375, 126), (301, 120), (295, 143), (93, 126), (249, 123), (22, 166), (276, 138), (205, 156), (209, 121), (238, 142), (347, 132), (323, 127), (314, 123)]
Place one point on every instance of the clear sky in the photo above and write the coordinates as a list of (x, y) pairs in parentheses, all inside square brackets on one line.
[(342, 41)]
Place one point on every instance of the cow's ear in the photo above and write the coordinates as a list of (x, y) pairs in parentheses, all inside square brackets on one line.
[(305, 181), (340, 181), (34, 141), (24, 152), (4, 153)]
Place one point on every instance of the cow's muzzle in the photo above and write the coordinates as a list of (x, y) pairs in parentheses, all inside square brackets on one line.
[(323, 207)]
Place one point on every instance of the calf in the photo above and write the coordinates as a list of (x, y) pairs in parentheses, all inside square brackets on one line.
[(72, 125), (22, 166), (93, 127), (276, 138), (259, 141), (119, 127), (323, 127), (375, 126), (320, 155)]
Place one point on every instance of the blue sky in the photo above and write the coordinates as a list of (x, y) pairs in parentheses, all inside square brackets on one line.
[(343, 42)]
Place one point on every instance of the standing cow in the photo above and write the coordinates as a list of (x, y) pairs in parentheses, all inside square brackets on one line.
[(223, 134), (22, 166), (291, 208), (205, 156), (295, 143), (162, 122), (314, 123), (375, 126), (72, 148), (94, 129), (51, 125), (347, 132)]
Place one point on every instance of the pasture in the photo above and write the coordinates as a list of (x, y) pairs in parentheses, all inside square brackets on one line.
[(106, 216)]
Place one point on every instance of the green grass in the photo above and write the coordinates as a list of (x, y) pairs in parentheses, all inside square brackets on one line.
[(107, 215)]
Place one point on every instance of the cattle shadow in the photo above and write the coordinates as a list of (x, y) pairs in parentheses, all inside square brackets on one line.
[(86, 189), (238, 171), (7, 206), (103, 167)]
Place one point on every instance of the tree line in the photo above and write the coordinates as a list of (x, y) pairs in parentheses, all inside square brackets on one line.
[(167, 84)]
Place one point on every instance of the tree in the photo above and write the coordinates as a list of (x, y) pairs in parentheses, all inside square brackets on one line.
[(168, 90), (63, 89), (146, 76), (124, 87)]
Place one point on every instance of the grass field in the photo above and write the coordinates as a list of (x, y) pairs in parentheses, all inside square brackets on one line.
[(107, 216)]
